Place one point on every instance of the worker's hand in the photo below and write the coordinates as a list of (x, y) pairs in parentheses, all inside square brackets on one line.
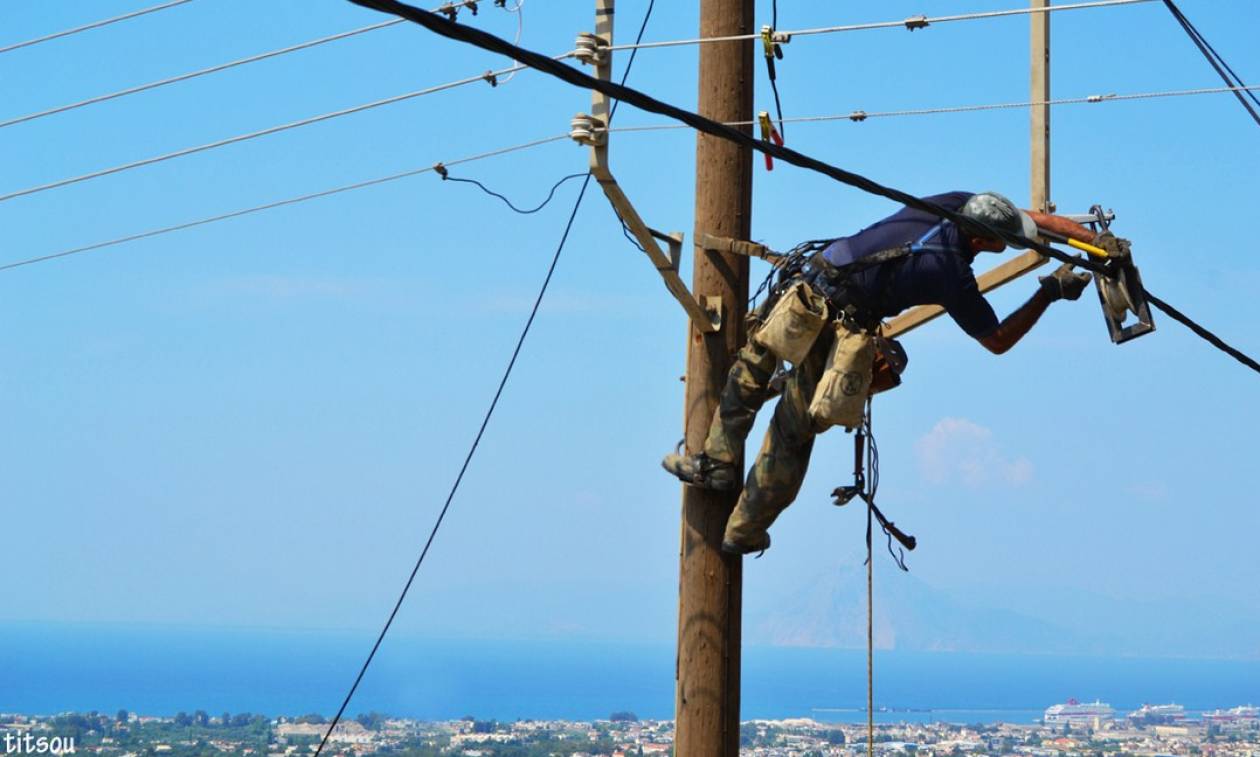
[(1064, 283), (1114, 245)]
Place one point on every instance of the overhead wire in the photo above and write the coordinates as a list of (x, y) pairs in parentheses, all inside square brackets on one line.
[(255, 134), (1223, 69), (492, 76), (858, 116), (485, 421), (92, 25), (198, 73), (233, 64), (913, 22), (278, 203), (713, 128)]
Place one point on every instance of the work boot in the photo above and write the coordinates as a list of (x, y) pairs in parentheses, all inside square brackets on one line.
[(702, 471), (758, 543)]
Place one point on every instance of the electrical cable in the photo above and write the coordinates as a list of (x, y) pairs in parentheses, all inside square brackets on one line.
[(914, 22), (255, 134), (485, 421), (858, 116), (508, 202), (93, 25), (488, 76), (708, 126), (277, 204), (1214, 58), (199, 73)]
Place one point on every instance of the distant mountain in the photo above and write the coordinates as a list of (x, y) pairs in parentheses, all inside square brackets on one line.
[(909, 615)]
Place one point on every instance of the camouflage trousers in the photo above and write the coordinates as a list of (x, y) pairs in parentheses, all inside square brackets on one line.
[(775, 477)]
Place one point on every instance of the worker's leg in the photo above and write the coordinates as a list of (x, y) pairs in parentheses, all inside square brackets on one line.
[(747, 389), (776, 476)]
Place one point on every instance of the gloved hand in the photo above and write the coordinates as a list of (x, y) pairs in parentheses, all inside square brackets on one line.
[(1064, 283), (1114, 245)]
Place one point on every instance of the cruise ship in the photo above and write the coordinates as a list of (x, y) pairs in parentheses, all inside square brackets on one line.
[(1075, 712), (1245, 715), (1158, 714)]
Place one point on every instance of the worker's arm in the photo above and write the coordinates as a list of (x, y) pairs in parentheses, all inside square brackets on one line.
[(1062, 226), (1017, 324), (1063, 284)]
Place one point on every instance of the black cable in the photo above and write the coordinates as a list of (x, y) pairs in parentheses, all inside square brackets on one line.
[(485, 421), (1214, 58), (648, 103), (508, 202), (1211, 338)]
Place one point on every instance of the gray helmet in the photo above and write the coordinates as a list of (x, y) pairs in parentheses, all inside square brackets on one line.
[(993, 209)]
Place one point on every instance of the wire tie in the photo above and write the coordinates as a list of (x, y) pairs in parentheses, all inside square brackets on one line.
[(441, 171), (917, 22), (857, 116), (490, 77), (451, 10), (471, 5), (500, 4)]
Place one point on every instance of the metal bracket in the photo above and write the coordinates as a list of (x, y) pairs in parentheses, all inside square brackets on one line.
[(592, 130)]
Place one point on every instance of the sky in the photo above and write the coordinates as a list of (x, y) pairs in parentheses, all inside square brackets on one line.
[(254, 423)]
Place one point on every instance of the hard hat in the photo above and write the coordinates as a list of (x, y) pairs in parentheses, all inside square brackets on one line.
[(993, 209)]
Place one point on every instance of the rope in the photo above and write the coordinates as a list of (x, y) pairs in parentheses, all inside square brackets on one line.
[(555, 259), (708, 126), (861, 115), (870, 633), (914, 22), (1214, 58), (93, 25), (277, 204)]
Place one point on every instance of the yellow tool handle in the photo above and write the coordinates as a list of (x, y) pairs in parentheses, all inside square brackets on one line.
[(1097, 252)]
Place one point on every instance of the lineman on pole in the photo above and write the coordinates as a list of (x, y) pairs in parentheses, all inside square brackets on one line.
[(824, 316)]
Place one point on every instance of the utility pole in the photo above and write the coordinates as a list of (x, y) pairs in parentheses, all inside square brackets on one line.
[(711, 582), (1040, 120)]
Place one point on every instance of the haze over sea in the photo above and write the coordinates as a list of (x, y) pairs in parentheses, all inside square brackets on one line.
[(161, 670)]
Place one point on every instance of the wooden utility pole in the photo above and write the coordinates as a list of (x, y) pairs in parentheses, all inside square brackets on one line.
[(1040, 121), (710, 582)]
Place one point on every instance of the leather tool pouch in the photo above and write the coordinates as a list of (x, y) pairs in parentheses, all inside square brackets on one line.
[(840, 398), (794, 323)]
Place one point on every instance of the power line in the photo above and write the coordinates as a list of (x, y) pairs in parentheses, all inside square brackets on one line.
[(277, 204), (231, 64), (914, 22), (199, 73), (506, 201), (93, 25), (260, 133), (861, 115), (708, 126), (1214, 58), (485, 421)]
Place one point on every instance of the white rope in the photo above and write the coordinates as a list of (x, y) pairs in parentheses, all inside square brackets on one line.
[(280, 203), (93, 25), (201, 72), (914, 22), (860, 115)]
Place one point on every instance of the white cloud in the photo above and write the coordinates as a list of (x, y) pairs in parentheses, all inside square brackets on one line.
[(957, 449)]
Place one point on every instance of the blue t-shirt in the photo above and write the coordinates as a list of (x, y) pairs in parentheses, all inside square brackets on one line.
[(938, 272)]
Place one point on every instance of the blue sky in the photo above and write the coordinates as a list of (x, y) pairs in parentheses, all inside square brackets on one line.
[(254, 423)]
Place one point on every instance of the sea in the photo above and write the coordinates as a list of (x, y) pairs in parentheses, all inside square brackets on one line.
[(162, 670)]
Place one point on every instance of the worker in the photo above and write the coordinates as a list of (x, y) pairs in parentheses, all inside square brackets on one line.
[(929, 264)]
